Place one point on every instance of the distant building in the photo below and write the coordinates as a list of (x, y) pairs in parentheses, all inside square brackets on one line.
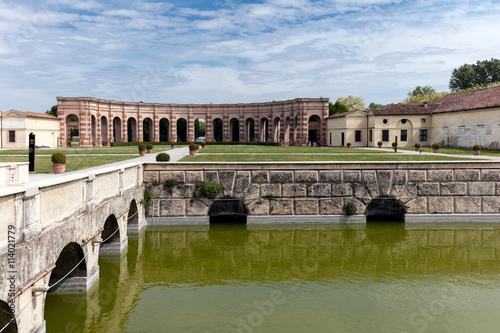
[(456, 120), (16, 126)]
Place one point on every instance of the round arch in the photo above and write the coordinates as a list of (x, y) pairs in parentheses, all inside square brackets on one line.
[(93, 124), (147, 130), (181, 130), (104, 131), (163, 126), (228, 211), (314, 130), (71, 256), (133, 214), (72, 128), (250, 129), (111, 232), (234, 128), (131, 129), (405, 132), (200, 129), (6, 315), (117, 129), (218, 130), (264, 133)]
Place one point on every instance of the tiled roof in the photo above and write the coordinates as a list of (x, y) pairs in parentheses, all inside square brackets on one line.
[(34, 114), (469, 100), (405, 109), (343, 114)]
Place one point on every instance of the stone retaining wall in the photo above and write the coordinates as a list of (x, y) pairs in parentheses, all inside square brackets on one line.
[(324, 188)]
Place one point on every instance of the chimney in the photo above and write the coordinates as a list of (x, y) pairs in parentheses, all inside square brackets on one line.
[(425, 104)]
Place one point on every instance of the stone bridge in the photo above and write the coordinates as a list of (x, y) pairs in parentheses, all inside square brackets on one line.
[(50, 226)]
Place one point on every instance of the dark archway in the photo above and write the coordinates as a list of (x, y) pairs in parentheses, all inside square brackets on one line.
[(314, 130), (72, 128), (264, 133), (235, 130), (111, 232), (218, 130), (228, 211), (131, 130), (250, 129), (147, 130), (181, 130), (6, 315), (117, 129), (104, 131), (385, 209), (163, 126), (133, 214), (94, 130), (71, 256)]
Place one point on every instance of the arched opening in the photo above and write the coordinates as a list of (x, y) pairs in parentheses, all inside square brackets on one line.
[(200, 130), (71, 256), (228, 211), (276, 129), (314, 127), (385, 209), (264, 134), (6, 315), (286, 139), (104, 131), (117, 129), (147, 130), (131, 130), (111, 232), (133, 214), (94, 130), (405, 133), (181, 130), (73, 130), (235, 130), (163, 129), (250, 129), (218, 129)]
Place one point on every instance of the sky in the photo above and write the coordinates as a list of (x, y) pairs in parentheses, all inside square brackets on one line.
[(232, 51)]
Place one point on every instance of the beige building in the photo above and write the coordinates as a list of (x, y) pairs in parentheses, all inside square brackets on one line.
[(16, 126), (457, 120)]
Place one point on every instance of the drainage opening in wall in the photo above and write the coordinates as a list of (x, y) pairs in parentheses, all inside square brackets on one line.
[(385, 209), (228, 211)]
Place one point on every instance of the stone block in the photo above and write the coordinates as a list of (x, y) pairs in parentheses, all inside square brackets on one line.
[(440, 175), (259, 207), (331, 206), (342, 190), (361, 192), (252, 191), (196, 208), (319, 190), (407, 191), (330, 176), (491, 205), (178, 176), (151, 176), (481, 188), (172, 207), (281, 207), (194, 176), (211, 176), (183, 191), (227, 181), (417, 175), (385, 182), (417, 206), (468, 205), (441, 205), (399, 177), (294, 190), (490, 175), (159, 191), (360, 207), (369, 176), (153, 209), (453, 188), (260, 176), (270, 189), (306, 176), (281, 176), (241, 184), (428, 189), (352, 176), (306, 206), (467, 175)]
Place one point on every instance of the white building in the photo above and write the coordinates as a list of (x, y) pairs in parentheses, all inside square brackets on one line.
[(15, 127)]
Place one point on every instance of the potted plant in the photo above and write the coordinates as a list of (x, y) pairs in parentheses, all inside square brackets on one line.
[(172, 145), (58, 162), (192, 148), (149, 148), (203, 144), (435, 147), (142, 149), (477, 149), (417, 146), (379, 144), (349, 145)]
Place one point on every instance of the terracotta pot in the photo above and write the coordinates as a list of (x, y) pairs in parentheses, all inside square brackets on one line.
[(202, 147), (142, 152), (192, 152), (59, 167), (172, 146), (435, 150), (150, 151), (196, 151), (348, 146), (380, 146), (417, 149), (477, 152)]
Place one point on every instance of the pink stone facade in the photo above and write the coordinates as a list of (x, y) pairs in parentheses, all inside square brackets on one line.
[(101, 122)]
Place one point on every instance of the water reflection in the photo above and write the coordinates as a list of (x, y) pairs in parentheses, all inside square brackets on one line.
[(319, 278)]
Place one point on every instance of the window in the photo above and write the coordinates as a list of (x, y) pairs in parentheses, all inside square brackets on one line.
[(12, 136), (358, 136), (403, 121), (423, 120), (330, 139), (385, 135), (423, 135), (371, 135), (384, 121), (404, 135)]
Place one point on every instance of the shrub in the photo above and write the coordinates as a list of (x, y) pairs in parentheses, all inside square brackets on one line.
[(149, 146), (379, 143), (394, 144), (436, 146), (147, 197), (203, 144), (170, 182), (141, 146), (418, 145), (58, 158), (350, 208), (349, 144), (476, 147), (208, 189), (193, 146), (162, 157)]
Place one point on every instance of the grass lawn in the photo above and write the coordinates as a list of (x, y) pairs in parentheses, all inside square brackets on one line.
[(231, 149), (458, 151), (78, 151)]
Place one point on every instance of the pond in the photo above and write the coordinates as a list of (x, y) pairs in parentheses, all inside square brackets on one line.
[(293, 278)]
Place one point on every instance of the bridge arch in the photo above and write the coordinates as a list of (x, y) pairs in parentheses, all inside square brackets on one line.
[(133, 214), (228, 211), (385, 209), (110, 235), (6, 316), (71, 256)]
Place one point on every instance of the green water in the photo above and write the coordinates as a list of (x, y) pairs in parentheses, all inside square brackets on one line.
[(305, 278)]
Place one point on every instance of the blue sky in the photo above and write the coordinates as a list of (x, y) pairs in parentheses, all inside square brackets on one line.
[(228, 51)]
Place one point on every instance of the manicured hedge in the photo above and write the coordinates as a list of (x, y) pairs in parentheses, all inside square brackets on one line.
[(125, 144)]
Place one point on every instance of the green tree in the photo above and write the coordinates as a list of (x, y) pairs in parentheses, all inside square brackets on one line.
[(353, 102), (419, 99), (199, 128), (375, 105), (482, 73), (52, 111), (420, 91), (336, 108)]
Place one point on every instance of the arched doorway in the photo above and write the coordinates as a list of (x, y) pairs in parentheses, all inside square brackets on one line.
[(73, 130), (264, 134), (276, 129), (110, 235), (131, 130), (6, 317), (235, 130), (228, 211), (71, 256), (104, 131), (314, 129), (163, 126), (218, 130), (117, 129), (181, 130), (147, 130), (94, 130), (200, 129), (286, 139), (250, 130), (405, 129)]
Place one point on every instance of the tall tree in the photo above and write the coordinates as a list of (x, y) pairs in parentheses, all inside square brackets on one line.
[(420, 91), (52, 111), (375, 105), (353, 102), (336, 108), (480, 74)]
